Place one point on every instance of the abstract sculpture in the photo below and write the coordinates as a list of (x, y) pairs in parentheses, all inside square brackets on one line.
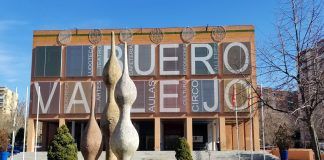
[(91, 143), (124, 140), (110, 115)]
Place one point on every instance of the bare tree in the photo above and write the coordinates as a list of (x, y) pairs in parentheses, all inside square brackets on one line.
[(7, 119), (293, 60), (274, 119), (319, 122)]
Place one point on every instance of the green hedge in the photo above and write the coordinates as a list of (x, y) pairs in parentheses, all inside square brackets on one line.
[(63, 146), (182, 150)]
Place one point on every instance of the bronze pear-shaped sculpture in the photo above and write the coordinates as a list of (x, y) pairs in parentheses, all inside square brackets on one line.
[(91, 143), (111, 74)]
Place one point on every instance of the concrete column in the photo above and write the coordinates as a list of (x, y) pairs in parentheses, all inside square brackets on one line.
[(188, 131), (30, 135), (157, 134), (214, 125), (222, 133), (73, 129), (61, 122), (256, 134)]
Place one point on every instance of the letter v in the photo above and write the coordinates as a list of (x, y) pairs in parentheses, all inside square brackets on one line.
[(39, 95)]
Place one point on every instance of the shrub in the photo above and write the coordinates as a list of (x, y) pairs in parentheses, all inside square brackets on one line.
[(63, 146), (4, 141), (182, 149), (283, 138)]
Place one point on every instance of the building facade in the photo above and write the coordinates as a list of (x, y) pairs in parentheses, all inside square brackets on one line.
[(8, 101), (282, 100), (189, 83), (312, 62), (311, 66)]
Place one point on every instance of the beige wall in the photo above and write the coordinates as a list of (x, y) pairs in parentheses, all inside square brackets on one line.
[(229, 137), (10, 100)]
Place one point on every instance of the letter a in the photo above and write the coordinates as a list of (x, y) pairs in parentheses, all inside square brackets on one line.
[(83, 100)]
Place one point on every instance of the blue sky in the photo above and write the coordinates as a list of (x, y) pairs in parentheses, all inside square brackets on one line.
[(19, 18)]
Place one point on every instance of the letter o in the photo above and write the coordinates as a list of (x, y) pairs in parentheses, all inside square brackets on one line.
[(246, 53), (227, 92)]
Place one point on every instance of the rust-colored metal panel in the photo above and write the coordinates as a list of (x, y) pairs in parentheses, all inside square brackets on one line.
[(77, 97), (49, 97), (236, 58), (236, 95)]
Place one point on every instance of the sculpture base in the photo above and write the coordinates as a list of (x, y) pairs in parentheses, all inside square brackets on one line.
[(163, 155)]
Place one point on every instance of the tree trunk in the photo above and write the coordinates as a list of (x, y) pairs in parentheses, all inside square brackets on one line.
[(314, 140)]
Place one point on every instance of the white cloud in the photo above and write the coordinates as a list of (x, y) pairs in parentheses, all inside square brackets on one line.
[(12, 68), (7, 24), (7, 64), (14, 58)]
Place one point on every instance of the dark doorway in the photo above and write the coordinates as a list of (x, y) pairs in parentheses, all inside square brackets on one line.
[(76, 129), (145, 129), (172, 129), (47, 133), (199, 135)]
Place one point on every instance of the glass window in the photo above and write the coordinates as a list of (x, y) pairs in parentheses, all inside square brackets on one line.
[(204, 59), (204, 96), (172, 59), (146, 96), (173, 96), (47, 61), (79, 61), (141, 58), (236, 58), (101, 96)]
